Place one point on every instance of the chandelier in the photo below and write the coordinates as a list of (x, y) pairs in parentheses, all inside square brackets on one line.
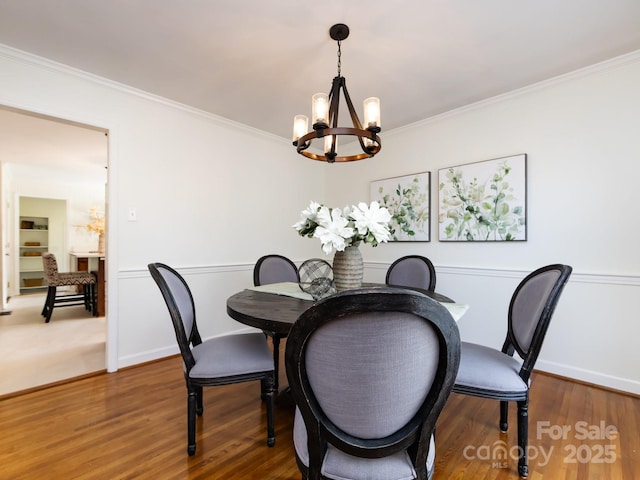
[(325, 118)]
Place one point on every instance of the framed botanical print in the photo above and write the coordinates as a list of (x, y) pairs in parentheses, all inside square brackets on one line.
[(408, 199), (484, 201)]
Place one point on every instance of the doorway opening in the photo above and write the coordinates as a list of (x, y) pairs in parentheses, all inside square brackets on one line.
[(48, 159)]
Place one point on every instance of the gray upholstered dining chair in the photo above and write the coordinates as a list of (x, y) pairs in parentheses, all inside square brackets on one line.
[(55, 279), (216, 361), (269, 269), (370, 371), (274, 268), (412, 271), (495, 374)]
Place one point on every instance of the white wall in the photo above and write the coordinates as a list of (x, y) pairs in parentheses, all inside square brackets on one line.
[(212, 196), (581, 134)]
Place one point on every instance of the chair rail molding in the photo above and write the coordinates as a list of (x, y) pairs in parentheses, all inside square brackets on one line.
[(576, 277)]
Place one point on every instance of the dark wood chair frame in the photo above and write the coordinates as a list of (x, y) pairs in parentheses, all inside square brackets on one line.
[(195, 385), (275, 337), (529, 357), (428, 264), (416, 434)]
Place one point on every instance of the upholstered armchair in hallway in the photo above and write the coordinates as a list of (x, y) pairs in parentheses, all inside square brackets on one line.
[(56, 279)]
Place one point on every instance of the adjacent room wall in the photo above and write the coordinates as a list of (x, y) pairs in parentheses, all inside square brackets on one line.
[(80, 198)]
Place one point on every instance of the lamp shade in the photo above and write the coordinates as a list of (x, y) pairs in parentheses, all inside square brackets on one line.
[(320, 109), (328, 140), (300, 126), (371, 112)]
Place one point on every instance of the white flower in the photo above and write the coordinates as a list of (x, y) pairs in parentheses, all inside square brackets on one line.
[(338, 229), (333, 230), (307, 215), (372, 219)]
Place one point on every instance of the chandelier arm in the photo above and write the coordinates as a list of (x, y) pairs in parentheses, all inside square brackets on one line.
[(334, 106), (334, 110), (352, 111)]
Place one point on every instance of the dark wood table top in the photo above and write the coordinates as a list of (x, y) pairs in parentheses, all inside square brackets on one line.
[(276, 313)]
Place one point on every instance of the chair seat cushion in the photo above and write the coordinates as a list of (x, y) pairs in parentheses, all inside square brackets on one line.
[(71, 278), (232, 355), (490, 370), (341, 466)]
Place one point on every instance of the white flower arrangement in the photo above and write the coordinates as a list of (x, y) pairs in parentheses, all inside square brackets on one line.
[(338, 228)]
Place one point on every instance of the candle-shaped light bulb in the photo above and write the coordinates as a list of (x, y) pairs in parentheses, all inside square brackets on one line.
[(300, 126), (320, 108), (327, 144), (368, 143), (372, 112)]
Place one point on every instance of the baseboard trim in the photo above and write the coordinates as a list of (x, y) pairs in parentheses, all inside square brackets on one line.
[(608, 382), (588, 384), (52, 384)]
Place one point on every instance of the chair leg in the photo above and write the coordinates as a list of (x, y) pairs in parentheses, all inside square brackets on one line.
[(85, 297), (191, 421), (276, 360), (94, 299), (199, 404), (275, 339), (86, 294), (523, 437), (270, 398), (46, 303), (49, 302), (44, 307), (90, 298), (504, 416)]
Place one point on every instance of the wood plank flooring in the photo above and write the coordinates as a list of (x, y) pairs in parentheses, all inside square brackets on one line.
[(132, 425)]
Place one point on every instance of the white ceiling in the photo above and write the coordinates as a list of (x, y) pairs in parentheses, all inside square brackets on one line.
[(258, 62), (41, 148)]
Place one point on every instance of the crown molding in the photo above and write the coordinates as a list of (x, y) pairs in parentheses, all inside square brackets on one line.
[(604, 66), (19, 56)]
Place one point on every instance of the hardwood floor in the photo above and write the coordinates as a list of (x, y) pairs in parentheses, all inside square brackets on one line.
[(132, 424)]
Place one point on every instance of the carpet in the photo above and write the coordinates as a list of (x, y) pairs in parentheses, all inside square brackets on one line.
[(34, 353)]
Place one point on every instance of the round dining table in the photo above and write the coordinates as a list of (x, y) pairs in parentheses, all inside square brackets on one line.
[(277, 313)]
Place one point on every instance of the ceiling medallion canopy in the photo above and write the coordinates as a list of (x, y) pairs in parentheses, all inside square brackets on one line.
[(325, 118)]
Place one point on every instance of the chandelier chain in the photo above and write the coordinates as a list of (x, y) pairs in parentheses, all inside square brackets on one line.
[(339, 60)]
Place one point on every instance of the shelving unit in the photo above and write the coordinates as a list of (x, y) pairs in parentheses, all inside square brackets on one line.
[(34, 241)]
